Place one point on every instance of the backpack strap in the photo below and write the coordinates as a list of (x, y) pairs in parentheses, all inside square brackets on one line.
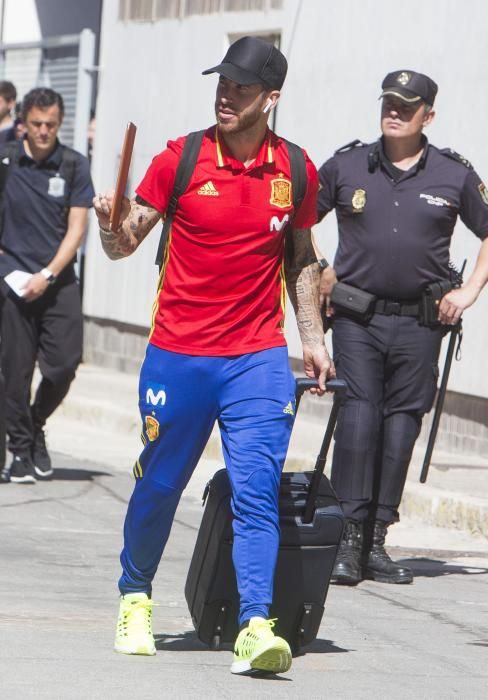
[(68, 165), (298, 169), (298, 173), (69, 162), (9, 156), (184, 171)]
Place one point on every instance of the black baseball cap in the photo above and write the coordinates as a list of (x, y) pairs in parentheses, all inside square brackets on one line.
[(252, 60), (410, 86)]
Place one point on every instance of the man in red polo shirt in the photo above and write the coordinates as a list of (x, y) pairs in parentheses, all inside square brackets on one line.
[(216, 347)]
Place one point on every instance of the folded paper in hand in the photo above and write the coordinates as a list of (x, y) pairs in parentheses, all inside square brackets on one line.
[(17, 280)]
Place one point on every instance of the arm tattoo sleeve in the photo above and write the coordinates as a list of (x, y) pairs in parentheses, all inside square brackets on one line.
[(141, 219), (303, 283), (299, 248)]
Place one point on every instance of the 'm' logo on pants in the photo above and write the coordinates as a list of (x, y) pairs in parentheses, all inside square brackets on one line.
[(154, 398)]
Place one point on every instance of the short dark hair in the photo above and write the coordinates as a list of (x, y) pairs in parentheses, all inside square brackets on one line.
[(41, 98), (7, 90)]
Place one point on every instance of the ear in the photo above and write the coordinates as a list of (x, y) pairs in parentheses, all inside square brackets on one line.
[(429, 118), (274, 96), (271, 100)]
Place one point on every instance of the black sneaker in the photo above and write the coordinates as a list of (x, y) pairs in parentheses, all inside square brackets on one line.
[(22, 470), (40, 456), (5, 475)]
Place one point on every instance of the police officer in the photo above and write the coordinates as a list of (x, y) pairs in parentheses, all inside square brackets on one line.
[(46, 191), (397, 201)]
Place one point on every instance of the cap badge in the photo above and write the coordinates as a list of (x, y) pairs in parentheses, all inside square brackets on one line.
[(152, 428), (404, 78), (280, 193), (358, 201)]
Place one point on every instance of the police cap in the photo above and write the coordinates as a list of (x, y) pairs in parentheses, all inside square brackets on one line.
[(410, 86)]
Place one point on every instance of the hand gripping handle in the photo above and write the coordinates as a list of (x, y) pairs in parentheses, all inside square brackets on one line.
[(303, 384), (339, 387)]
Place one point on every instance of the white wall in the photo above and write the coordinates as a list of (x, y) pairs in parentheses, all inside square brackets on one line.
[(20, 21), (339, 52)]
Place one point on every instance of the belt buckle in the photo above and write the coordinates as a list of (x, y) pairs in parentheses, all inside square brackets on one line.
[(394, 308)]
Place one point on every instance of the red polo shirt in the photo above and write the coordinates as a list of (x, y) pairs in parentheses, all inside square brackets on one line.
[(221, 290)]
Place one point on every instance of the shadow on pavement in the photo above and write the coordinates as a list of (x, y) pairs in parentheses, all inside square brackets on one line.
[(322, 646), (65, 474), (444, 467), (430, 568), (187, 641)]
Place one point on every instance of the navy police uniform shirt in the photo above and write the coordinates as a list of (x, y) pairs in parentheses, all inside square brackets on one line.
[(395, 227), (36, 203)]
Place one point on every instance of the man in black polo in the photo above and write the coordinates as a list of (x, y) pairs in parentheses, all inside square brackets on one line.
[(397, 201), (46, 193)]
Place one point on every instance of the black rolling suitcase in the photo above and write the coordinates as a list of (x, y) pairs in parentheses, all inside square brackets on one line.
[(311, 524)]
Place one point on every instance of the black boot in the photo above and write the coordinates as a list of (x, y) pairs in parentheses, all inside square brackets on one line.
[(347, 569), (377, 564)]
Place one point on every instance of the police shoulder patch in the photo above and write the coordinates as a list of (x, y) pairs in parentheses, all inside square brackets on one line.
[(450, 153), (483, 192), (349, 146)]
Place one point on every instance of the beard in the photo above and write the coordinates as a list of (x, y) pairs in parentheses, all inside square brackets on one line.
[(243, 121)]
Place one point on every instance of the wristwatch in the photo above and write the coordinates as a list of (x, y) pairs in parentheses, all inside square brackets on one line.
[(49, 276), (323, 264)]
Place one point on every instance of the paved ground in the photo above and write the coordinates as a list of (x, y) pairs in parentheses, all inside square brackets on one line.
[(59, 548), (58, 603)]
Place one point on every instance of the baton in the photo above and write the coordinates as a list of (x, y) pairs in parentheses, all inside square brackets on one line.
[(125, 157), (439, 403)]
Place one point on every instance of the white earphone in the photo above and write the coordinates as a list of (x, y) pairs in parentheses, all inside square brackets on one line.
[(268, 105)]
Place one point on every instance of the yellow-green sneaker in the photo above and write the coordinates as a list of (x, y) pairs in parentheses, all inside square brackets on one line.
[(258, 649), (134, 630)]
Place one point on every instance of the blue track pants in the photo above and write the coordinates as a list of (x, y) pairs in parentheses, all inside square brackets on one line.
[(252, 397)]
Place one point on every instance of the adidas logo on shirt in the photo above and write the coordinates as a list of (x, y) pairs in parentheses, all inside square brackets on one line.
[(208, 190)]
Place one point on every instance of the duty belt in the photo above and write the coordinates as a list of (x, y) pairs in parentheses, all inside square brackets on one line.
[(389, 307)]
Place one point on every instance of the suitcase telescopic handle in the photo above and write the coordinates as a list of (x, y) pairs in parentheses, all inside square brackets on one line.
[(303, 384), (339, 387)]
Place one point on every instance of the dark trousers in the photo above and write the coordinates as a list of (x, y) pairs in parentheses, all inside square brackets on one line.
[(50, 331), (2, 415), (390, 366)]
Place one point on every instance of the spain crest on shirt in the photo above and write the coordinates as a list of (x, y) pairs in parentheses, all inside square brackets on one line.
[(280, 193)]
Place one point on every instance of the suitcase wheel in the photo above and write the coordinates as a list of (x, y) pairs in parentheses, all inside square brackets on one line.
[(216, 642)]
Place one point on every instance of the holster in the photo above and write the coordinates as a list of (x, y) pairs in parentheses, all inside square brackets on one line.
[(430, 300), (352, 302)]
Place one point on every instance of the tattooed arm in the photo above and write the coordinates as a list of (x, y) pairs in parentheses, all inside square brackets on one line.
[(303, 285), (327, 278), (137, 219)]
